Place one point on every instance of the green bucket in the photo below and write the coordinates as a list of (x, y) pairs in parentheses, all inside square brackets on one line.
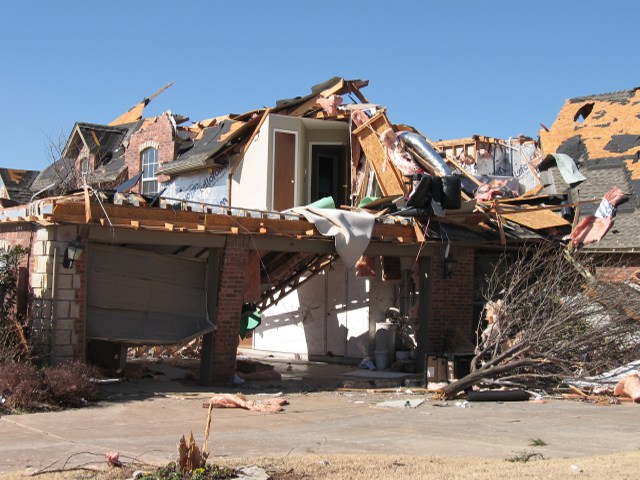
[(325, 202), (249, 319)]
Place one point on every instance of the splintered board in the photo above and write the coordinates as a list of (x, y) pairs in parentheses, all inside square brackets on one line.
[(368, 134), (536, 219)]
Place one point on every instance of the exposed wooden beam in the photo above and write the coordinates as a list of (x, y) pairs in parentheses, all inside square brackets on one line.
[(156, 218)]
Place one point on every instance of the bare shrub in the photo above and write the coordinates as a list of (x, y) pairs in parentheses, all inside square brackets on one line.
[(24, 388), (71, 384), (21, 387)]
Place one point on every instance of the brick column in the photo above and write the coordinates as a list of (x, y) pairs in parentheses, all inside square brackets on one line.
[(229, 308), (58, 317), (451, 309)]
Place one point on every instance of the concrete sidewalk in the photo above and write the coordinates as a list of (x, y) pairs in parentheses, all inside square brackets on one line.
[(141, 423)]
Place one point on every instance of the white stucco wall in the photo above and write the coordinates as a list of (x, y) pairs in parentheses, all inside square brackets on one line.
[(334, 312), (297, 323), (252, 183), (249, 181)]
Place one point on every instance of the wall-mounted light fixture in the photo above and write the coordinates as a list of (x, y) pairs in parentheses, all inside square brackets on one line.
[(72, 253), (448, 266)]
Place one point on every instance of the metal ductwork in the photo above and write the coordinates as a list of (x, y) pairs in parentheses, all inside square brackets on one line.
[(424, 149)]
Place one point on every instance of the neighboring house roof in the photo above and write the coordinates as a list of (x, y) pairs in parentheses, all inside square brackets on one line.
[(596, 126), (17, 183), (621, 96), (602, 175), (602, 134)]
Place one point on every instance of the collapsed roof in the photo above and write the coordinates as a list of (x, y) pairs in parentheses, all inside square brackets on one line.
[(510, 190), (602, 133)]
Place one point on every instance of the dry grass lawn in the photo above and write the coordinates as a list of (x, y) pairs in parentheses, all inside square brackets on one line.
[(367, 467)]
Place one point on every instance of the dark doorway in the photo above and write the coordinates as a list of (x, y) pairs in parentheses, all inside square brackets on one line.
[(329, 173)]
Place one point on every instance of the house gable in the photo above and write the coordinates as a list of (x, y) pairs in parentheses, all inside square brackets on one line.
[(157, 132)]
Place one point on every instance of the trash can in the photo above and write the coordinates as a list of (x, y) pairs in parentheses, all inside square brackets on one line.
[(384, 344)]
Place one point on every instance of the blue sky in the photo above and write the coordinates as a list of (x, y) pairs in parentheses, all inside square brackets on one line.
[(452, 69)]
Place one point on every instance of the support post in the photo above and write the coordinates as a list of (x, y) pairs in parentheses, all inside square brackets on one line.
[(424, 289), (208, 339)]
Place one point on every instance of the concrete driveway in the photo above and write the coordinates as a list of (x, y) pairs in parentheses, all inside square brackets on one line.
[(144, 419)]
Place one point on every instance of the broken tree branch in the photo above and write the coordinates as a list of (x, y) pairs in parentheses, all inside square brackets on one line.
[(549, 317)]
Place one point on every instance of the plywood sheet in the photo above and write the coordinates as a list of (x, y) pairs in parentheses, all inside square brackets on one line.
[(536, 219), (611, 115), (368, 134)]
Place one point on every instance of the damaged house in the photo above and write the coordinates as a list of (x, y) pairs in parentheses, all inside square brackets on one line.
[(318, 213), (15, 186), (601, 133)]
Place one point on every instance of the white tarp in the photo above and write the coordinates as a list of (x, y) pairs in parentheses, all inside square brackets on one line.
[(351, 230)]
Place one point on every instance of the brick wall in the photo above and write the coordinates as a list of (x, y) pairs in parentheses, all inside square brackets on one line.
[(229, 307), (12, 235), (451, 306), (158, 133), (84, 153), (618, 267)]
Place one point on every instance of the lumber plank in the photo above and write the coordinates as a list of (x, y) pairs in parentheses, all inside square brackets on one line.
[(503, 238), (305, 107), (87, 205)]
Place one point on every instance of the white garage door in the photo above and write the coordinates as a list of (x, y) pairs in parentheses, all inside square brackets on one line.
[(138, 297)]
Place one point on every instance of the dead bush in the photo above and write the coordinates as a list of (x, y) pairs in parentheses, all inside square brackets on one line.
[(70, 384), (21, 388), (24, 388)]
